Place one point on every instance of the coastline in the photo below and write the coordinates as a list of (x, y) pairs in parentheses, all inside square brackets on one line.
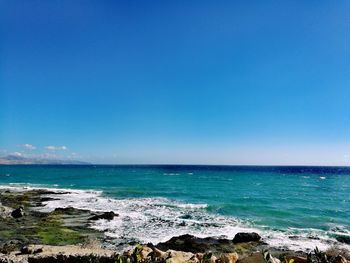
[(55, 228)]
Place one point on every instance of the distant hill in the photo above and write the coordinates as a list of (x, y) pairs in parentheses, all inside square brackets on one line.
[(15, 159)]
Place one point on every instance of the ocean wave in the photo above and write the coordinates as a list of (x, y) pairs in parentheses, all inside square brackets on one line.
[(158, 219)]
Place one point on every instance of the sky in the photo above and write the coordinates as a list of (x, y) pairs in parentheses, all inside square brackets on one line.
[(180, 82)]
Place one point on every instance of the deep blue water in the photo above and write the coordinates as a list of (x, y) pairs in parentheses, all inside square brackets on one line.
[(275, 198)]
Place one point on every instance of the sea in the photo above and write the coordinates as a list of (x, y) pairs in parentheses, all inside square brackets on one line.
[(291, 207)]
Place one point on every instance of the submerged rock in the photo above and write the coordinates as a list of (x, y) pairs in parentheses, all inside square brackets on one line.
[(246, 237), (107, 215), (17, 213)]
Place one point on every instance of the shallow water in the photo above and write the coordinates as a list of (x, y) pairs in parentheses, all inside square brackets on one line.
[(298, 207)]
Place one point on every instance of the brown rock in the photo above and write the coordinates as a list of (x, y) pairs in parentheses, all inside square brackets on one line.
[(229, 258), (254, 258)]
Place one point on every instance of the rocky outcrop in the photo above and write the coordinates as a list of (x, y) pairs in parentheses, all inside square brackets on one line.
[(189, 243), (70, 210), (343, 239), (243, 237), (5, 211), (73, 254), (107, 215), (17, 213)]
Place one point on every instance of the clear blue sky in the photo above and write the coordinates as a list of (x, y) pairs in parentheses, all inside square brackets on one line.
[(227, 82)]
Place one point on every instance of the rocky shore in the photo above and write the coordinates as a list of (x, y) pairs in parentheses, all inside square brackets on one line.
[(29, 235)]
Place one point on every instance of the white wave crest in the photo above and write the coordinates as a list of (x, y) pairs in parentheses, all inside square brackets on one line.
[(158, 219)]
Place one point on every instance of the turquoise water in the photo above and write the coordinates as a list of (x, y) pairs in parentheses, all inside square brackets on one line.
[(311, 202)]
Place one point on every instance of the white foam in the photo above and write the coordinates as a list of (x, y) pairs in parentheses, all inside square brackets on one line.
[(158, 219)]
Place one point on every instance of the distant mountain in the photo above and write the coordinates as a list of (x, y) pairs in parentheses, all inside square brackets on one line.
[(15, 159)]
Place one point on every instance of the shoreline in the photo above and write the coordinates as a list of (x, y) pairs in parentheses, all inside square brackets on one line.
[(62, 227)]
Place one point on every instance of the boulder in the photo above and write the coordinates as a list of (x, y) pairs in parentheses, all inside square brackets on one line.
[(189, 243), (31, 249), (246, 237), (107, 215), (178, 256), (343, 239), (5, 211), (17, 213), (253, 258), (229, 258), (145, 252)]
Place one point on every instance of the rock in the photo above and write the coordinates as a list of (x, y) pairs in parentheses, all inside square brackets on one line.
[(178, 257), (229, 258), (343, 239), (70, 211), (145, 251), (189, 243), (5, 211), (246, 237), (17, 213), (253, 258), (107, 215), (158, 253), (31, 249), (47, 199), (9, 246)]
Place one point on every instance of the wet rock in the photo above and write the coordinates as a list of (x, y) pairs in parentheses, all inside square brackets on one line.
[(17, 213), (186, 216), (70, 210), (343, 239), (189, 243), (107, 215), (46, 199), (246, 237)]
